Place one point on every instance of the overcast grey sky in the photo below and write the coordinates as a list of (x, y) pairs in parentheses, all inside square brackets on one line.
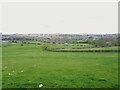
[(60, 17)]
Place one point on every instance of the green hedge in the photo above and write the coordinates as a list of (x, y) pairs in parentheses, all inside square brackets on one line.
[(58, 50)]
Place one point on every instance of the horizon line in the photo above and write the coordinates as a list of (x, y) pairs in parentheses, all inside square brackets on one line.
[(59, 33)]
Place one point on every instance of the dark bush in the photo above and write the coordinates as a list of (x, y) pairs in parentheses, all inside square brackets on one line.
[(38, 44), (21, 44)]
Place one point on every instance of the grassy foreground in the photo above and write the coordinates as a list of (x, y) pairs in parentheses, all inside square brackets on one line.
[(28, 66)]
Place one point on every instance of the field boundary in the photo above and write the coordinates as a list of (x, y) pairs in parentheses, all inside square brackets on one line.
[(72, 50)]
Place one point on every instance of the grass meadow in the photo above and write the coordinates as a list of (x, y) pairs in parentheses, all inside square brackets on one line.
[(28, 66)]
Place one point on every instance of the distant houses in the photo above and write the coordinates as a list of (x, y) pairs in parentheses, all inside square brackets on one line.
[(55, 38)]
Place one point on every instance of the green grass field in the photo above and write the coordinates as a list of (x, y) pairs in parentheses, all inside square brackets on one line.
[(28, 66)]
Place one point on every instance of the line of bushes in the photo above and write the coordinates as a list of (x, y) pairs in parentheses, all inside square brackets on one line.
[(58, 50)]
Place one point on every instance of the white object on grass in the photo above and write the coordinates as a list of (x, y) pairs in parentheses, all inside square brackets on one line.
[(10, 74), (21, 70), (40, 85)]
